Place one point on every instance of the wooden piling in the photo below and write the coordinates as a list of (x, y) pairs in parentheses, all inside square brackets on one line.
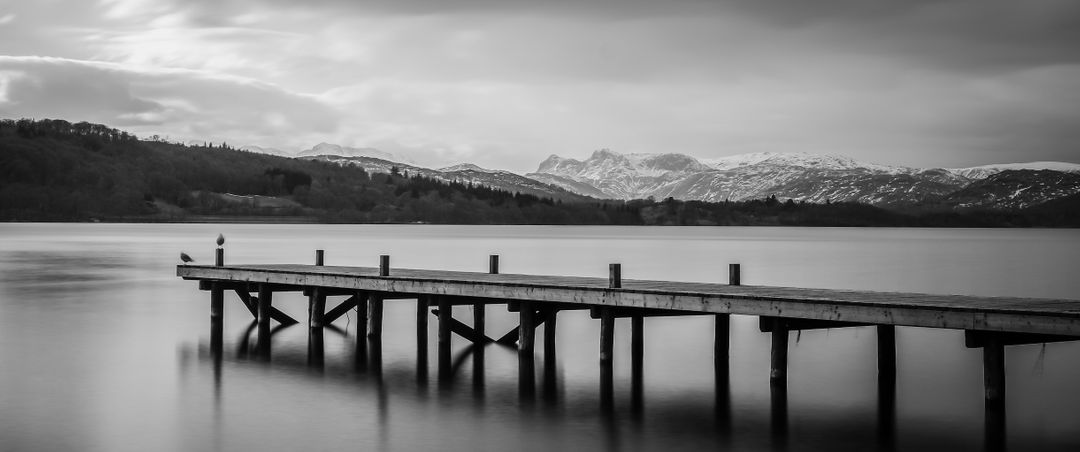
[(526, 334), (317, 305), (361, 329), (994, 373), (217, 317), (445, 313), (375, 302), (607, 370), (550, 315), (734, 274), (493, 264), (422, 303), (637, 353), (319, 257), (778, 369), (219, 257), (266, 297), (886, 347)]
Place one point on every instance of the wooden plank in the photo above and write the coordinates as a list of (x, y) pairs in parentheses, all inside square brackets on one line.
[(938, 311)]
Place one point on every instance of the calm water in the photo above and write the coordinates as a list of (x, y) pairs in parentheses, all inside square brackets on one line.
[(102, 348)]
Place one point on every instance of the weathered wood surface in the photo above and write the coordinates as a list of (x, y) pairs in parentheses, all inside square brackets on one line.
[(1028, 315)]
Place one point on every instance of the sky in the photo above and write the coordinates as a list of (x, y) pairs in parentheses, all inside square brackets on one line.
[(505, 83)]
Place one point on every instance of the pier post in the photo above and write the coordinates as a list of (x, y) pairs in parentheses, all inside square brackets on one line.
[(734, 274), (317, 299), (217, 307), (886, 347), (266, 297), (994, 372), (994, 380), (422, 303), (607, 371), (526, 334), (778, 370), (637, 352), (614, 276), (319, 257), (375, 302), (445, 316), (361, 329), (550, 389), (722, 351)]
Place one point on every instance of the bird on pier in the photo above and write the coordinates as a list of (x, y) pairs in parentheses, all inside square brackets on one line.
[(220, 239), (184, 257)]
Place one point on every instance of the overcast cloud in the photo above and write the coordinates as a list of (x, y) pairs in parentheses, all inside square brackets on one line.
[(505, 83)]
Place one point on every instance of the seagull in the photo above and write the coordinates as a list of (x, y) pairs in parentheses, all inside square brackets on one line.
[(184, 257), (220, 239)]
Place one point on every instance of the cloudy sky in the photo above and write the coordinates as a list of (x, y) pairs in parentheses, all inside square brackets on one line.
[(505, 83)]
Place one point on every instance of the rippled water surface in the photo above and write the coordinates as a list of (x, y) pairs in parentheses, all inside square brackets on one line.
[(102, 348)]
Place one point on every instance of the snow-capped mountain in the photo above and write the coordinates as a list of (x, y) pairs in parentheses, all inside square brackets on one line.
[(809, 177), (982, 172), (344, 151), (463, 173)]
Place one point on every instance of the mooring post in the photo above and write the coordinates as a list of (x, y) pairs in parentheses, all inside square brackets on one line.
[(445, 345), (637, 353), (526, 363), (319, 257), (479, 308), (614, 276), (778, 372), (734, 274), (422, 303)]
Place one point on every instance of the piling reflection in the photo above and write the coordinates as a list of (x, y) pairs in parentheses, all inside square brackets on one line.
[(779, 414), (886, 432), (994, 428), (316, 350)]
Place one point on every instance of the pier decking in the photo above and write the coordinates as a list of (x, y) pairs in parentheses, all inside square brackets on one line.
[(990, 323)]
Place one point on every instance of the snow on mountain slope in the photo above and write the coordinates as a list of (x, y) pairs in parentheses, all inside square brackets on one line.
[(269, 151), (344, 151), (984, 171)]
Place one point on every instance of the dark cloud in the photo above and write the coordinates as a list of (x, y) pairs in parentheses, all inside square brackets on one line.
[(184, 102)]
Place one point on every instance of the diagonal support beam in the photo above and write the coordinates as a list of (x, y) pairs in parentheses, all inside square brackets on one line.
[(340, 310), (465, 331), (512, 336), (979, 339), (252, 304)]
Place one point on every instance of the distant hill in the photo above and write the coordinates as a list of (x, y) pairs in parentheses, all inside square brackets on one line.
[(54, 170)]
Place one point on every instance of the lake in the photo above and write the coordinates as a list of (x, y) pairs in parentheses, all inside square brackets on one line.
[(103, 348)]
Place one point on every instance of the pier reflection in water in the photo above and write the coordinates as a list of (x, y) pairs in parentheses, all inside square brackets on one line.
[(367, 368), (91, 316)]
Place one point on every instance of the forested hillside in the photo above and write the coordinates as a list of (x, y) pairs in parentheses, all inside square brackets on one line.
[(53, 170)]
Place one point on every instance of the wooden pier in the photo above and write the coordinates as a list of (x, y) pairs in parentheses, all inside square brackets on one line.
[(990, 323)]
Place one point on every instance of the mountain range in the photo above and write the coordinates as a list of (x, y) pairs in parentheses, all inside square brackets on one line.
[(798, 176)]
